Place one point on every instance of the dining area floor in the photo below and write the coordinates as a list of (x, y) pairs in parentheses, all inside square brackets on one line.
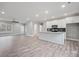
[(27, 46)]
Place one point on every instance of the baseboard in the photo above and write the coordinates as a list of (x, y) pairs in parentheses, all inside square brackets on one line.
[(72, 39)]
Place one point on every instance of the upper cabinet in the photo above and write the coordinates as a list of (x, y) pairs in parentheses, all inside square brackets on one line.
[(72, 19), (62, 23)]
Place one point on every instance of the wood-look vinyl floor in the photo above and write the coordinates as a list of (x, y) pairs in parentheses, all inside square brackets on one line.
[(24, 46)]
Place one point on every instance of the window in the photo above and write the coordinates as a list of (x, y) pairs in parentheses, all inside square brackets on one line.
[(5, 27)]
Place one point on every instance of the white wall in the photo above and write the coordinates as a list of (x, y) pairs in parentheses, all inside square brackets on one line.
[(18, 28), (44, 27), (34, 28), (29, 28)]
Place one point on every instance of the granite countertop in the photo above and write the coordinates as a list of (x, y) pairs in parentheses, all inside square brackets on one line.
[(52, 32)]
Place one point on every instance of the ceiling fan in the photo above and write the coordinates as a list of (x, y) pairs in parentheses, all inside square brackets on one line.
[(14, 21), (7, 21)]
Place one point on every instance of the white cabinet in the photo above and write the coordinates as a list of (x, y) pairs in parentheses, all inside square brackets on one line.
[(55, 37)]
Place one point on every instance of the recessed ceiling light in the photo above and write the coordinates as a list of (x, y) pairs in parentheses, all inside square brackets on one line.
[(46, 12), (63, 6), (37, 15), (2, 12)]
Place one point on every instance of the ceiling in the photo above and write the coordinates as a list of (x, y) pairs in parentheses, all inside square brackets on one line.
[(35, 11)]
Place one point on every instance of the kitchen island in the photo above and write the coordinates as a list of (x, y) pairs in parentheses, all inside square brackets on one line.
[(55, 37)]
